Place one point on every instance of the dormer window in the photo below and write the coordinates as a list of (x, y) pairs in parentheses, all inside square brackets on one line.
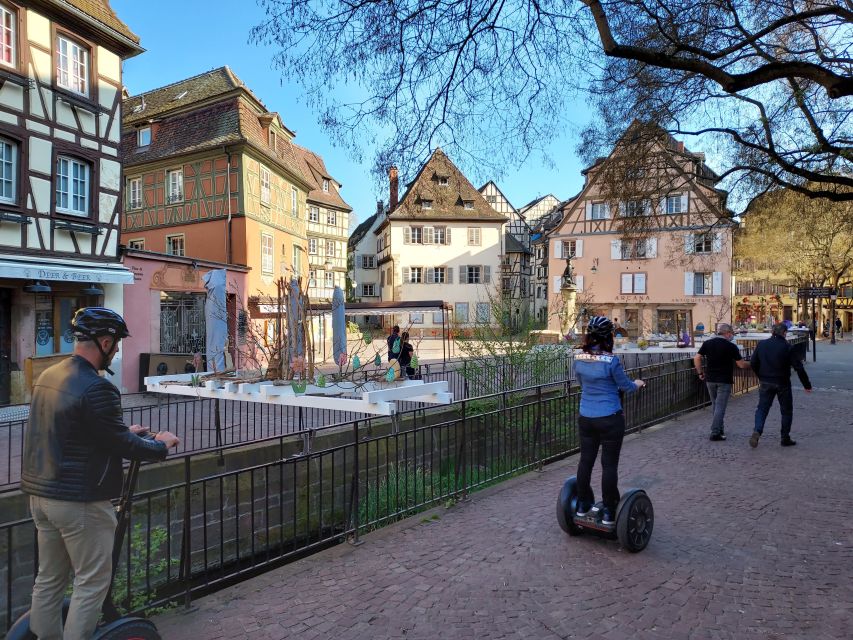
[(272, 139), (426, 204), (143, 137), (443, 181), (469, 204), (325, 185)]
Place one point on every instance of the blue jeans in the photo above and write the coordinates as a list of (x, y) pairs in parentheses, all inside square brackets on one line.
[(720, 393), (766, 392)]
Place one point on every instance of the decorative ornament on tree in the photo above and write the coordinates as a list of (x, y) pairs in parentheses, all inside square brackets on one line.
[(390, 375), (342, 359), (377, 360), (414, 363), (299, 386), (367, 337), (321, 380), (356, 362), (397, 345)]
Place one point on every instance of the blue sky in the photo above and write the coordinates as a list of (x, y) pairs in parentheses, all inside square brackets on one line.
[(183, 38)]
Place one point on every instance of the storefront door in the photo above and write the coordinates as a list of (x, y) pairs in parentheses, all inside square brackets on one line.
[(5, 346)]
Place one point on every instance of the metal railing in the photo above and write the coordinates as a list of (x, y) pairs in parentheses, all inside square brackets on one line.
[(201, 533)]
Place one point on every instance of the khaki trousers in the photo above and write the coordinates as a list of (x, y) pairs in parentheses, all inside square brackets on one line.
[(72, 537)]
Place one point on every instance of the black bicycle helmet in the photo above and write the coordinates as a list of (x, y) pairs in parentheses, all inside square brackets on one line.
[(93, 322), (599, 326)]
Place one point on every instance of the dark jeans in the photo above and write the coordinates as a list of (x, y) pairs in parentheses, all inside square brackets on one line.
[(766, 392), (607, 433)]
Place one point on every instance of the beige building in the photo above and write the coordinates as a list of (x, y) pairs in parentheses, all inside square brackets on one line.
[(660, 263), (441, 241)]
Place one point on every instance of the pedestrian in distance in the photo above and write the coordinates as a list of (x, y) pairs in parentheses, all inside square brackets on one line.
[(721, 355), (72, 468), (772, 361), (839, 332), (601, 423), (407, 350), (394, 344)]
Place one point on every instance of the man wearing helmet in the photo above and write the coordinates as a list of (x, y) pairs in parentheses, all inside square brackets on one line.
[(72, 467), (601, 423)]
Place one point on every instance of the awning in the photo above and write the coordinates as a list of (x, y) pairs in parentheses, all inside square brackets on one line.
[(267, 307), (64, 270)]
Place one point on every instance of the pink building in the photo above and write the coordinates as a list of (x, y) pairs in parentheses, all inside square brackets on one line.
[(658, 259), (164, 308)]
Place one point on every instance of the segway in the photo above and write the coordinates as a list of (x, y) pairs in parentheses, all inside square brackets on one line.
[(113, 625), (635, 517)]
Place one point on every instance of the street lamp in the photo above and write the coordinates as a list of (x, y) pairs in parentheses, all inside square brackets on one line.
[(833, 297)]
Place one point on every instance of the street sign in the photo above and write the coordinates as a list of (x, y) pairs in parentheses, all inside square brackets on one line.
[(814, 292)]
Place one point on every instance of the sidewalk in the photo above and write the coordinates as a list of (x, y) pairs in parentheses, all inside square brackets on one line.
[(747, 544)]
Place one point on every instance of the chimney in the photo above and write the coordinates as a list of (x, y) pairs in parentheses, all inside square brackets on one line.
[(679, 146), (392, 179), (379, 206)]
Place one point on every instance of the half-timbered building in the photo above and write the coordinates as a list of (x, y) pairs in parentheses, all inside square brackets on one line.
[(658, 261), (516, 261), (441, 240), (60, 177), (210, 173)]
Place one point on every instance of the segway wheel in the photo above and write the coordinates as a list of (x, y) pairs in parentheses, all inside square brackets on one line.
[(128, 629), (567, 506), (635, 523)]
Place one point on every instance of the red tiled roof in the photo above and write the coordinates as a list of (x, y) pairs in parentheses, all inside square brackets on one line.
[(314, 169)]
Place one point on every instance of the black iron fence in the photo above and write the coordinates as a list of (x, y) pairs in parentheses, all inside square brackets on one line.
[(206, 530), (203, 424)]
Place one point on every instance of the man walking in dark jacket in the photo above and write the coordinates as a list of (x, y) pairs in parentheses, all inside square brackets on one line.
[(772, 361), (72, 467)]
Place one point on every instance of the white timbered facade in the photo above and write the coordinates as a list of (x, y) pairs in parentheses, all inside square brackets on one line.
[(60, 177)]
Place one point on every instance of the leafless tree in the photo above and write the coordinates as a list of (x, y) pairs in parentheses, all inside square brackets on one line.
[(766, 82)]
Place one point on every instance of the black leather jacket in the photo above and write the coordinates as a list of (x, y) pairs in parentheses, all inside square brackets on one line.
[(76, 437)]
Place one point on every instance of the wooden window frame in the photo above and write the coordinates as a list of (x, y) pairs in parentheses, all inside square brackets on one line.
[(75, 40), (168, 186), (267, 253), (90, 181), (16, 172), (131, 204), (183, 238), (265, 190), (15, 12), (139, 133), (139, 241)]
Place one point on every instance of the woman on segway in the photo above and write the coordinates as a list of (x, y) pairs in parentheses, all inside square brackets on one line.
[(601, 422)]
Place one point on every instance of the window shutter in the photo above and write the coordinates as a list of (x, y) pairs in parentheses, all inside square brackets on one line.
[(557, 281), (717, 283), (428, 235), (589, 210), (662, 205), (688, 243), (627, 283), (652, 248), (406, 275), (430, 275), (615, 250), (685, 200), (688, 283), (447, 235), (622, 207), (606, 210), (718, 242), (558, 249), (359, 260), (463, 274), (407, 235), (640, 283), (579, 249), (449, 272), (487, 274), (579, 282), (647, 207)]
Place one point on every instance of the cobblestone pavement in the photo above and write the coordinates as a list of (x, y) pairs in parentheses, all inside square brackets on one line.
[(747, 544)]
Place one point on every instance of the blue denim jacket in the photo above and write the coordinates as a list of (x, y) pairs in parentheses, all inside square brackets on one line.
[(601, 377)]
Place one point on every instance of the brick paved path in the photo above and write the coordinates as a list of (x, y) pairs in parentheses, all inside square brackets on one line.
[(747, 544)]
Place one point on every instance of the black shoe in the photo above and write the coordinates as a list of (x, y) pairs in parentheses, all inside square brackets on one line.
[(753, 440), (717, 437), (607, 516), (583, 509), (787, 442)]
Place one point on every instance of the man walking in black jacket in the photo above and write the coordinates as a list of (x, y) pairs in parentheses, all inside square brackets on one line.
[(72, 467), (772, 361)]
